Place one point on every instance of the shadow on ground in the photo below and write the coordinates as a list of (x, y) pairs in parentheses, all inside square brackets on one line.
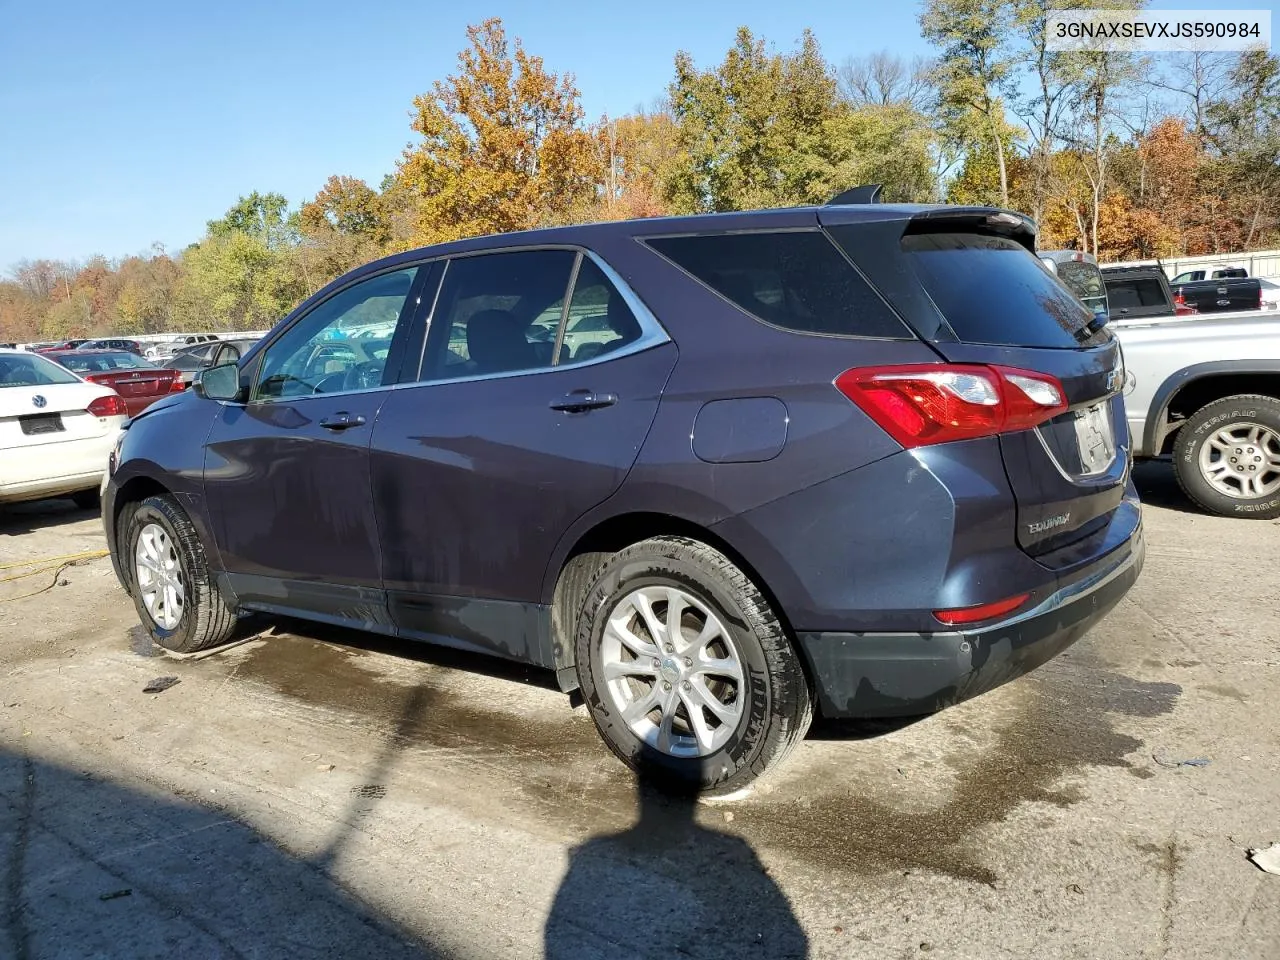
[(1158, 487), (669, 887), (18, 518), (91, 868)]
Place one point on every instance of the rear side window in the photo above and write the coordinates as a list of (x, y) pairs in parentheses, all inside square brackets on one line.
[(796, 280), (993, 290)]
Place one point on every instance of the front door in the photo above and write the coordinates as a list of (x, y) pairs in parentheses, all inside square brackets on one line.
[(287, 472), (528, 413)]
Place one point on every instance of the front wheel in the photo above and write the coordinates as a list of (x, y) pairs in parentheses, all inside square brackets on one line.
[(686, 670), (1227, 457), (172, 587)]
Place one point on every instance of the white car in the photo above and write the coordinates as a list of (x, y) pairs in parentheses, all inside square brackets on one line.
[(57, 431)]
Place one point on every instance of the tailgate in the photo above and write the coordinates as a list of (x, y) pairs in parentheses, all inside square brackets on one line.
[(989, 300), (136, 383)]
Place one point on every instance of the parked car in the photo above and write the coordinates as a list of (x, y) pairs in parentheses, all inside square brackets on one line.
[(139, 382), (63, 345), (188, 362), (1206, 391), (112, 343), (781, 485), (1231, 289), (1079, 272), (1140, 293), (56, 430), (1270, 294), (168, 348), (1221, 273)]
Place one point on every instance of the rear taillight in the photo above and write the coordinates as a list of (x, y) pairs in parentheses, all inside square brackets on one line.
[(109, 406), (923, 404), (177, 386), (985, 611), (1179, 299)]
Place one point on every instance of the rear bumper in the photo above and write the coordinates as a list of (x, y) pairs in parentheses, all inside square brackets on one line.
[(910, 674), (54, 469)]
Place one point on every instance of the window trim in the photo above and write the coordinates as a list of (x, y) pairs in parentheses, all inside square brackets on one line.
[(908, 334), (404, 322), (652, 333)]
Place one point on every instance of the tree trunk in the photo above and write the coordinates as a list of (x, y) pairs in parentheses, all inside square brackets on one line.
[(1004, 174)]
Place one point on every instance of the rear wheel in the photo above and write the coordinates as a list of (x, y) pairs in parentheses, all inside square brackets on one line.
[(172, 588), (686, 670), (1227, 457)]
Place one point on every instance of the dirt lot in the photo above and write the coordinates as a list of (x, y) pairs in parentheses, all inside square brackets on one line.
[(319, 793)]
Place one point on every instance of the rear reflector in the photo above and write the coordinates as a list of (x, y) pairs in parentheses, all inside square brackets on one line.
[(922, 404), (109, 406), (987, 611)]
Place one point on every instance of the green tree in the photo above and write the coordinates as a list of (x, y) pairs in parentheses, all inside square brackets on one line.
[(750, 130), (973, 73)]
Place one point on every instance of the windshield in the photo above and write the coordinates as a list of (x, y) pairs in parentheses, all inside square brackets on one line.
[(29, 370), (1085, 281)]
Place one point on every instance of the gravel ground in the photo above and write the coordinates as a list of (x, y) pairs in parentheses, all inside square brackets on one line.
[(316, 792)]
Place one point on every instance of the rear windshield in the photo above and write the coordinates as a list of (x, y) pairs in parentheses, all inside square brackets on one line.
[(796, 280), (993, 290), (17, 370), (1138, 292), (103, 362)]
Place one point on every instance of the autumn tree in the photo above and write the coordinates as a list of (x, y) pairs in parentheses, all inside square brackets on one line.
[(344, 225), (635, 155), (883, 79), (503, 146)]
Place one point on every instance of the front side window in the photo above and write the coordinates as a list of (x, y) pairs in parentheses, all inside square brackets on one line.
[(342, 344), (498, 313)]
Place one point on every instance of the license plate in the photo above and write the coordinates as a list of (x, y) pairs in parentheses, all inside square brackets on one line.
[(1095, 438), (37, 423)]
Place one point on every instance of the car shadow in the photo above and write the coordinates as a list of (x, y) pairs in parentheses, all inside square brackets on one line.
[(95, 868), (670, 886), (34, 515), (420, 651), (1158, 486)]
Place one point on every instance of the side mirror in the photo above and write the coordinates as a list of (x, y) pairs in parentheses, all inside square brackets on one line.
[(217, 383)]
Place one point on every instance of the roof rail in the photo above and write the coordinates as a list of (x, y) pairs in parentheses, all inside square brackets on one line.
[(867, 193)]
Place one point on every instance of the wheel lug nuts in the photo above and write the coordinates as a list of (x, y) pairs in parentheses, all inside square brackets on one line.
[(1234, 459), (656, 662), (688, 661), (665, 685), (670, 648), (687, 685)]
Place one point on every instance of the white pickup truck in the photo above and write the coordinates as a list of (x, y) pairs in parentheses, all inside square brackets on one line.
[(1205, 389)]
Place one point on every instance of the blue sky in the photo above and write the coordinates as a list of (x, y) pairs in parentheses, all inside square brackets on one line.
[(135, 122)]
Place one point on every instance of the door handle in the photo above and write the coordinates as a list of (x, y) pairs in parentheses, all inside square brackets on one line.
[(584, 400), (342, 421)]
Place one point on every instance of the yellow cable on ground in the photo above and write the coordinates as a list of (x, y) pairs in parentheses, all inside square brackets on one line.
[(57, 568), (87, 555)]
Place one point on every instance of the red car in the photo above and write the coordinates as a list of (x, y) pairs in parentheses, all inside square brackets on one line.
[(139, 382)]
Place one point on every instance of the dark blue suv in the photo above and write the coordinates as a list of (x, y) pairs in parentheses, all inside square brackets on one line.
[(716, 472)]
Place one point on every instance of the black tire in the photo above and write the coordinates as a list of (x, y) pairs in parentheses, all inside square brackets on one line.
[(777, 706), (87, 499), (206, 621), (1195, 434)]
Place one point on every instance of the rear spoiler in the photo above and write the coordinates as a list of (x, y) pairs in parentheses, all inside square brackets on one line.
[(867, 193), (1004, 223)]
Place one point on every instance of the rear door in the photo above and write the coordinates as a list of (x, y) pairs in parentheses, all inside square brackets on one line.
[(480, 466), (988, 301)]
